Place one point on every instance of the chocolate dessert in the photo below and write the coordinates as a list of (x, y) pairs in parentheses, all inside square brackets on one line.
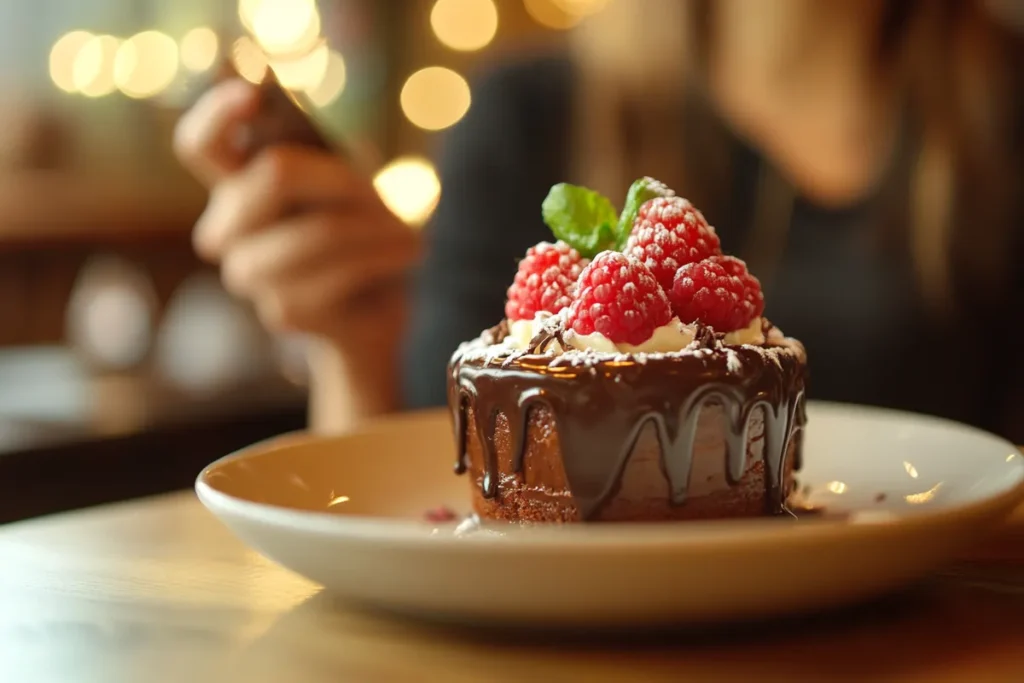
[(634, 377)]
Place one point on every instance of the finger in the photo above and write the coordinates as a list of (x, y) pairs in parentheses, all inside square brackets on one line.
[(208, 138), (318, 303), (296, 246), (278, 181)]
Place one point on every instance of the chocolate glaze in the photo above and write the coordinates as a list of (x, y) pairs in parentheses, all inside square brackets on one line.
[(600, 406)]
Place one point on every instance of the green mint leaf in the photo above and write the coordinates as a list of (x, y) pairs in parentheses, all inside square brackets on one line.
[(582, 218), (640, 192)]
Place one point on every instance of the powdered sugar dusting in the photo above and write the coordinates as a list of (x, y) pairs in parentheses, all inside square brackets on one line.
[(733, 362)]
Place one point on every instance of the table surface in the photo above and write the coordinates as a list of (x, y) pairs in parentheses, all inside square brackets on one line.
[(158, 590)]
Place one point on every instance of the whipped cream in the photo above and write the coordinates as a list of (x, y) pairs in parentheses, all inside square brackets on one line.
[(673, 336), (669, 338), (751, 334)]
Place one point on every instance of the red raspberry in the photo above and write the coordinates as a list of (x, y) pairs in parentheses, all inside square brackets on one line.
[(618, 297), (705, 291), (752, 293), (670, 232), (545, 281)]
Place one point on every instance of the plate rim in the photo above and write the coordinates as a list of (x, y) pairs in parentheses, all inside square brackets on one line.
[(711, 535)]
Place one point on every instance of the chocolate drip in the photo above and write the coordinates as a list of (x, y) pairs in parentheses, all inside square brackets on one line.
[(601, 407)]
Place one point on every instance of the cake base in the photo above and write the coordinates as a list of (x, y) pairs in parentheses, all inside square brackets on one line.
[(540, 493)]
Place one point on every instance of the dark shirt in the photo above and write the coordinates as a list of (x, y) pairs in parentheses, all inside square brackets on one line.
[(868, 336)]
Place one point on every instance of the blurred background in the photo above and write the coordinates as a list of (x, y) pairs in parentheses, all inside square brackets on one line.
[(124, 367)]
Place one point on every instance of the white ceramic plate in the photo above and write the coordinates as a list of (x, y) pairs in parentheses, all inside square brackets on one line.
[(348, 513)]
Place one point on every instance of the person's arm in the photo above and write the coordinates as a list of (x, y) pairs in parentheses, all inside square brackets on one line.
[(307, 241), (497, 166)]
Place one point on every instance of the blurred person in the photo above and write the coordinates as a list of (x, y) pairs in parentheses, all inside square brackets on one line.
[(864, 157)]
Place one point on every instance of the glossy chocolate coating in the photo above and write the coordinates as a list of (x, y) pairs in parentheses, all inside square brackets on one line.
[(601, 406)]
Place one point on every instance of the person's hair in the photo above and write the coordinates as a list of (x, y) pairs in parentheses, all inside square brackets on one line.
[(641, 61)]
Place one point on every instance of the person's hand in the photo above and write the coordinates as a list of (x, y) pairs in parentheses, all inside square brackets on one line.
[(308, 241), (295, 230)]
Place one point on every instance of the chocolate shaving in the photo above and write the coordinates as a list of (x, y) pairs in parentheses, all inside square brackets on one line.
[(551, 331), (705, 337), (496, 334), (540, 340)]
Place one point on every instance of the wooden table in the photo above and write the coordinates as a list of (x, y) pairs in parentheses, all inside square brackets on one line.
[(157, 590)]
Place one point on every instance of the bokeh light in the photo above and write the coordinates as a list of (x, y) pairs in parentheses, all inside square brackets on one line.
[(92, 73), (464, 25), (333, 82), (282, 26), (304, 73), (562, 14), (435, 98), (199, 49), (581, 8), (409, 186), (249, 60), (146, 64), (63, 56)]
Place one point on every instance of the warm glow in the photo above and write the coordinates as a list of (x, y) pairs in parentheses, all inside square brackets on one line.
[(249, 60), (836, 487), (146, 64), (63, 56), (247, 10), (332, 84), (409, 186), (924, 496), (581, 8), (282, 26), (304, 73), (435, 97), (465, 25), (911, 470), (562, 14), (199, 49), (93, 71)]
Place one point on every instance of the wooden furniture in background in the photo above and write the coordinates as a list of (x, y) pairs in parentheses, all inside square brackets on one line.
[(56, 208), (52, 222), (71, 437)]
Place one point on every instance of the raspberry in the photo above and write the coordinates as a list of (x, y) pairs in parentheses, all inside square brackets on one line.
[(752, 293), (705, 291), (618, 297), (670, 232), (440, 514), (545, 281)]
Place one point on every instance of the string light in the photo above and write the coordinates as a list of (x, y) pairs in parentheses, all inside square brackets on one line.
[(248, 60), (146, 64), (435, 98), (464, 25), (199, 49), (92, 72), (409, 186), (304, 73), (281, 26), (562, 14), (333, 82), (62, 59)]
